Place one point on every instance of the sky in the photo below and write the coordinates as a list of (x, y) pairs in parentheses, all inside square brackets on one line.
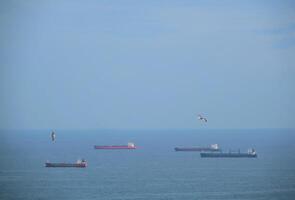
[(73, 64)]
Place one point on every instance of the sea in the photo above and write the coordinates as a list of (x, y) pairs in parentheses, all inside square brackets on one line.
[(153, 171)]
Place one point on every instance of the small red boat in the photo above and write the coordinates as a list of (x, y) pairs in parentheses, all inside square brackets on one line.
[(130, 145)]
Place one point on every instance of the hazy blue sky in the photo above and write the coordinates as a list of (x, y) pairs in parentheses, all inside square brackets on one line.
[(69, 64)]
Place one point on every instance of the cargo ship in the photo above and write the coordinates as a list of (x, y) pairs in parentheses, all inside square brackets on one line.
[(250, 154), (130, 145), (80, 164), (213, 147)]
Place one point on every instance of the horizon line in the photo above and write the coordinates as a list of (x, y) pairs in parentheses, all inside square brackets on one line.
[(137, 129)]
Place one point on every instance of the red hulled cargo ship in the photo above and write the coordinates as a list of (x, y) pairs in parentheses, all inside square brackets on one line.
[(130, 145)]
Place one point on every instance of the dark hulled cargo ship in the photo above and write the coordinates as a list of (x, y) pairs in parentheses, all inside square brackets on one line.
[(80, 164), (250, 154), (211, 148), (130, 146)]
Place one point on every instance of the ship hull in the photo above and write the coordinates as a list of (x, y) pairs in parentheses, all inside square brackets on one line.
[(195, 149), (78, 165), (114, 147), (228, 155)]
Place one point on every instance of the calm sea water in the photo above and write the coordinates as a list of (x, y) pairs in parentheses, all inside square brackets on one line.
[(153, 171)]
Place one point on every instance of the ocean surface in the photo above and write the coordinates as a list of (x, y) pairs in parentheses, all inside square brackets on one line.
[(153, 171)]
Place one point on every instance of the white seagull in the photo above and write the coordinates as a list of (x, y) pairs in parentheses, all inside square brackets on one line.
[(200, 117)]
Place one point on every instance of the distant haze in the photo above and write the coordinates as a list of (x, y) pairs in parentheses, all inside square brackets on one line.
[(146, 64)]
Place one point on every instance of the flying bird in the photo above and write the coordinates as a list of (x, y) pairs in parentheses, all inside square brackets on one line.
[(201, 118), (52, 136)]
